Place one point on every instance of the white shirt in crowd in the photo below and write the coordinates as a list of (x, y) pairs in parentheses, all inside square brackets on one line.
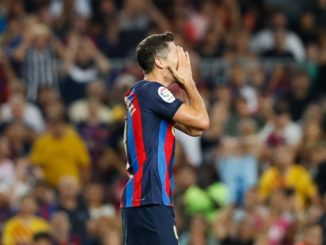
[(191, 147), (103, 211), (32, 116), (81, 7), (7, 175), (291, 132), (264, 40)]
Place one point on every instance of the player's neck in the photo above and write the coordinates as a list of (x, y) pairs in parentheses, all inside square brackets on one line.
[(157, 77)]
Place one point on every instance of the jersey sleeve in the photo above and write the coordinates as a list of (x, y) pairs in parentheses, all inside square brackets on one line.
[(160, 100)]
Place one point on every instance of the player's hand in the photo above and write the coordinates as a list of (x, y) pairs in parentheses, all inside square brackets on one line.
[(183, 73)]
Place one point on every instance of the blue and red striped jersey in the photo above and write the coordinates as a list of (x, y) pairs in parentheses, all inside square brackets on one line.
[(149, 145)]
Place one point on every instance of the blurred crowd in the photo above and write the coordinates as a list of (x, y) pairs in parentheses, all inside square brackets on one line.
[(256, 177)]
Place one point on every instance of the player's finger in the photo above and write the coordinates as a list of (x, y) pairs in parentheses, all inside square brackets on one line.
[(173, 70), (183, 56), (174, 73), (178, 62), (188, 58)]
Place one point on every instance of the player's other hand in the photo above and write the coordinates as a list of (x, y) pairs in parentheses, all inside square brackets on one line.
[(183, 72)]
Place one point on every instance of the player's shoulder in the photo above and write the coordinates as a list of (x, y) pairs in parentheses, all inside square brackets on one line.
[(156, 90), (145, 86)]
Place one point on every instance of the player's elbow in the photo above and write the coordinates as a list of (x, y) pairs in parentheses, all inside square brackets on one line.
[(203, 124), (206, 124), (196, 133), (199, 129)]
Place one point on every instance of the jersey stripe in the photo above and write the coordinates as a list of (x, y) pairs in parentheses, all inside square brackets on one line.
[(129, 192), (168, 148), (172, 180), (162, 163), (134, 162), (140, 151)]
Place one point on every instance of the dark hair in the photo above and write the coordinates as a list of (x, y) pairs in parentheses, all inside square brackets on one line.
[(148, 49), (281, 108), (40, 236)]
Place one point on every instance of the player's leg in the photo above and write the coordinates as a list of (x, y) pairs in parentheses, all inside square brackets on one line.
[(164, 221), (145, 225), (137, 226)]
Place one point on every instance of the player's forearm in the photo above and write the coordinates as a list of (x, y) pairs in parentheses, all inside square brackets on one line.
[(196, 102)]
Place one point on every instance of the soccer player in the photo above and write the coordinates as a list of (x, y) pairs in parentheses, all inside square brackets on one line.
[(153, 112)]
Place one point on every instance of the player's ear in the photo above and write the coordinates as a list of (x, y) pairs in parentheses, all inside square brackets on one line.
[(160, 63)]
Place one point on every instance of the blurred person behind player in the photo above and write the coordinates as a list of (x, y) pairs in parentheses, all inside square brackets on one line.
[(153, 111), (21, 228)]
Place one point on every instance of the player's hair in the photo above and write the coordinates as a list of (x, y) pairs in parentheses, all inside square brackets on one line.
[(152, 46)]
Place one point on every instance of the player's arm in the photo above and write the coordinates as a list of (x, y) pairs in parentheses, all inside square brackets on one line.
[(188, 130), (193, 116)]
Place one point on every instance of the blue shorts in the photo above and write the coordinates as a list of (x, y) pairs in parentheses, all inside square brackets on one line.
[(146, 225)]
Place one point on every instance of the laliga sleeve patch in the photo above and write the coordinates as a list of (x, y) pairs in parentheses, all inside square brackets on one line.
[(166, 94)]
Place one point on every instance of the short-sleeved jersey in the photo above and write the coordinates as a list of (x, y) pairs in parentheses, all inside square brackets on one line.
[(149, 145)]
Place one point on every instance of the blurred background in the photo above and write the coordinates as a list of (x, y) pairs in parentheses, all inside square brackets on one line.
[(256, 177)]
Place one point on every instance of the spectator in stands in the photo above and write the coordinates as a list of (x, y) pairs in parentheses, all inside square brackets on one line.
[(37, 54), (135, 23), (312, 141), (60, 151), (81, 7), (279, 219), (241, 112), (71, 203), (95, 202), (7, 168), (96, 134), (83, 110), (319, 11), (311, 64), (281, 129), (109, 42), (279, 50), (121, 84), (45, 198), (42, 238), (308, 28), (284, 174), (211, 139), (257, 77), (83, 64), (197, 232), (237, 167), (60, 228), (318, 161), (20, 138), (311, 235), (6, 211), (264, 39), (109, 231), (21, 228), (241, 88), (239, 48), (279, 80), (191, 147), (212, 44), (18, 109), (46, 96), (300, 95), (23, 181)]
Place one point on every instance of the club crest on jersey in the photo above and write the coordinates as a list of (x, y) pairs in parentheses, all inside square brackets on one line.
[(166, 94)]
